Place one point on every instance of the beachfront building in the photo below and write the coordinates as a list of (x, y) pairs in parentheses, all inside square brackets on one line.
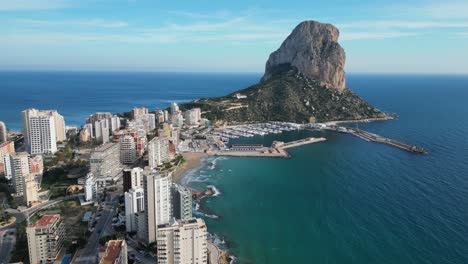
[(134, 208), (42, 130), (114, 252), (101, 131), (105, 164), (181, 202), (45, 239), (19, 163), (132, 178), (128, 153), (183, 241), (158, 151), (100, 126), (159, 116), (3, 132), (157, 190)]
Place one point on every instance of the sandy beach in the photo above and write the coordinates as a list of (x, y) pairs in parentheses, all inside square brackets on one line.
[(192, 160)]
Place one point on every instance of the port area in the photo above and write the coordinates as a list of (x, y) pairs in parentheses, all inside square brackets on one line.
[(277, 149), (371, 137)]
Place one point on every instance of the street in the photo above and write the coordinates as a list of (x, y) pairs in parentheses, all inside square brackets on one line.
[(7, 242)]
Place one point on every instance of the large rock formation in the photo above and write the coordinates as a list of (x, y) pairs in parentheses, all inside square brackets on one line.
[(313, 49), (304, 81)]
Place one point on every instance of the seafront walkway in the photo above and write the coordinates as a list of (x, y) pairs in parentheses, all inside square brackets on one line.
[(214, 253)]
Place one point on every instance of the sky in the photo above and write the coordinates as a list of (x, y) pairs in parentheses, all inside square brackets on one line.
[(422, 36)]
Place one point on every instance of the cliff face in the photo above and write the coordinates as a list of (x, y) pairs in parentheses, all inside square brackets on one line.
[(313, 49)]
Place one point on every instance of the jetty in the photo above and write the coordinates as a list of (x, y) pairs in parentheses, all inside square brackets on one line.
[(277, 149), (371, 137)]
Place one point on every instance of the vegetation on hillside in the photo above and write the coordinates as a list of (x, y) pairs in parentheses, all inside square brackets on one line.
[(286, 96)]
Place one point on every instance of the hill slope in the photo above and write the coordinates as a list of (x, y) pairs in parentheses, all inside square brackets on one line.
[(287, 95)]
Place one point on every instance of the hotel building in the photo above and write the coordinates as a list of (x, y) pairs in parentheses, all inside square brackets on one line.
[(42, 130)]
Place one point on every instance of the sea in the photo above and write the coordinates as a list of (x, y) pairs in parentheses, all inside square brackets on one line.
[(344, 200)]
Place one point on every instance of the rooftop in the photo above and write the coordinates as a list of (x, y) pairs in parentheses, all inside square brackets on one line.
[(47, 220), (113, 249)]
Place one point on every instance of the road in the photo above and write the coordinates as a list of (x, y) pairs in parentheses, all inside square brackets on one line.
[(89, 254), (7, 242), (136, 255)]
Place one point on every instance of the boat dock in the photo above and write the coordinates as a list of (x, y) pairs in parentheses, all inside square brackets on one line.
[(277, 149), (383, 140)]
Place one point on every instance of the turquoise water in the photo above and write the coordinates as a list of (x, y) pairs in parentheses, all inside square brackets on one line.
[(350, 201)]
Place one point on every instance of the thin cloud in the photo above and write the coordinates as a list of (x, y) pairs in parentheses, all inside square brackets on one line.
[(402, 24), (347, 36), (19, 5), (85, 23)]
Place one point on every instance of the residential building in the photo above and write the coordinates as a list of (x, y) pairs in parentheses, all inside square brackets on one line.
[(6, 147), (181, 202), (157, 190), (86, 133), (36, 165), (115, 123), (3, 132), (166, 116), (45, 239), (183, 241), (42, 130), (192, 116), (101, 131), (114, 252), (139, 111), (134, 207), (158, 151), (174, 108), (20, 169), (147, 121), (30, 189), (177, 119), (105, 163), (132, 178), (159, 116), (90, 188), (127, 150)]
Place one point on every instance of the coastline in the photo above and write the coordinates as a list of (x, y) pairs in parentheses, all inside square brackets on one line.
[(192, 161)]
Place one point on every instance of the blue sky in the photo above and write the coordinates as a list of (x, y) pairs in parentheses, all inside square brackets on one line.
[(229, 36)]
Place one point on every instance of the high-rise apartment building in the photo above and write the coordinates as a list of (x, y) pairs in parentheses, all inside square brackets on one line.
[(158, 211), (128, 153), (45, 239), (132, 178), (114, 252), (90, 188), (181, 202), (20, 170), (6, 148), (42, 130), (182, 241), (3, 132), (134, 208), (158, 151), (105, 163), (192, 116)]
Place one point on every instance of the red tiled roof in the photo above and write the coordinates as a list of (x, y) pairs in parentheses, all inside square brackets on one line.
[(47, 220)]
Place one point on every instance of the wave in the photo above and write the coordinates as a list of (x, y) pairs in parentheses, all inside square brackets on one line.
[(216, 191), (212, 216)]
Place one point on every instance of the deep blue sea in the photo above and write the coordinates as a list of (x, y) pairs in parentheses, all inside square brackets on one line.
[(341, 201)]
